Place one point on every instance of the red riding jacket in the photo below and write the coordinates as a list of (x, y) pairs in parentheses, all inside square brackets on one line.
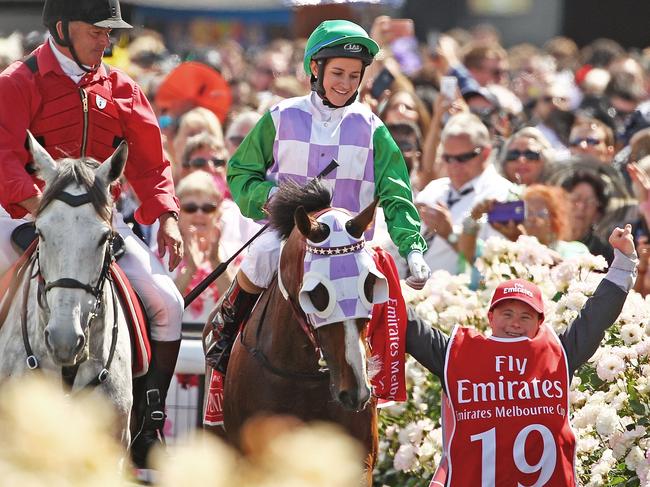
[(74, 120)]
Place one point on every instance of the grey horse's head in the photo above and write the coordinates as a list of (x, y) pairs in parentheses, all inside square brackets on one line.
[(74, 229)]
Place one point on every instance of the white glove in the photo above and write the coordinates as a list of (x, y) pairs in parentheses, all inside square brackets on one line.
[(419, 270)]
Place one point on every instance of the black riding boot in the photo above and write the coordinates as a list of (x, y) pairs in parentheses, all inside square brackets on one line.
[(233, 309), (149, 397)]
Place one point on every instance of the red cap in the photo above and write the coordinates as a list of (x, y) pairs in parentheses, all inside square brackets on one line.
[(520, 290)]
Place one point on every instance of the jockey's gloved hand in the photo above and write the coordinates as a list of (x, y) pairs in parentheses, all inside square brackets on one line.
[(418, 269)]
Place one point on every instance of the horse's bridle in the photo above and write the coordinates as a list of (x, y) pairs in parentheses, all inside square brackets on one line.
[(69, 372), (299, 314)]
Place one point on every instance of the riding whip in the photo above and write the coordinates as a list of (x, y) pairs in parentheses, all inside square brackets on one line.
[(221, 268)]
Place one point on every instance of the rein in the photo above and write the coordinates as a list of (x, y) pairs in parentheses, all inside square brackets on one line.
[(69, 373), (301, 318), (261, 357)]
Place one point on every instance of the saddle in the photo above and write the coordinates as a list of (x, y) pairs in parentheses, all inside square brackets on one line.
[(24, 239)]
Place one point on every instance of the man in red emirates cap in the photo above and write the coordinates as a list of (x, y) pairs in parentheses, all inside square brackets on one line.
[(506, 396)]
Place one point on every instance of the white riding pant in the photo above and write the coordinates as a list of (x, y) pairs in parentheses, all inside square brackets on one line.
[(161, 300), (262, 259)]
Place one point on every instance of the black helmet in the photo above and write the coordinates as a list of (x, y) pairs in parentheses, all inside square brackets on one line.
[(101, 13)]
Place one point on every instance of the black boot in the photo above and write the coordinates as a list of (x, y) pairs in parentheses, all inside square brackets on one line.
[(232, 310), (150, 393)]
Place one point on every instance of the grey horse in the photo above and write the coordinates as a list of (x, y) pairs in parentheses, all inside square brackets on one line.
[(65, 318)]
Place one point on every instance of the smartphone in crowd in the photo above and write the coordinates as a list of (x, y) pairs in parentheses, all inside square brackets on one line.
[(382, 82), (508, 211), (433, 36), (448, 87)]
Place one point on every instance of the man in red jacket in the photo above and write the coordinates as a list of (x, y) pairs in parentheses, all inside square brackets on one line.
[(77, 107)]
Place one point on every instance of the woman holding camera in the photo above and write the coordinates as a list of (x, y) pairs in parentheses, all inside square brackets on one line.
[(546, 217)]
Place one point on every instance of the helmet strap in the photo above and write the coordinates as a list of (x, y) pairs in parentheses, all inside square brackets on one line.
[(317, 86), (68, 43), (55, 33)]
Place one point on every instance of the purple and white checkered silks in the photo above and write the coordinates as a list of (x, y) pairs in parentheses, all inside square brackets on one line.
[(341, 263), (309, 135)]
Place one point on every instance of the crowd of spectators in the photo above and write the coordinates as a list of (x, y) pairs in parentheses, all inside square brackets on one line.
[(563, 128)]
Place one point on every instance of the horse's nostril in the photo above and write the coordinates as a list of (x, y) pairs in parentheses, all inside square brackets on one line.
[(348, 400)]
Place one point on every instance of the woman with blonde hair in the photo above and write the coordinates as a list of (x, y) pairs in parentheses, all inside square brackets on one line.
[(527, 157), (200, 226), (191, 123)]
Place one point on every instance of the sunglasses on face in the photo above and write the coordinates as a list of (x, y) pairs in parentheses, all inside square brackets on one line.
[(544, 214), (199, 162), (577, 201), (587, 140), (266, 71), (513, 155), (553, 99), (406, 146), (462, 158), (206, 208), (236, 139)]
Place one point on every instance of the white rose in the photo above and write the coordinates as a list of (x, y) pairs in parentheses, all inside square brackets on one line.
[(610, 367), (405, 458), (631, 333), (643, 347), (607, 421), (635, 458)]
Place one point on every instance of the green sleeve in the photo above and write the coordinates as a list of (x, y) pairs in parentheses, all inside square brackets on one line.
[(246, 174), (393, 188)]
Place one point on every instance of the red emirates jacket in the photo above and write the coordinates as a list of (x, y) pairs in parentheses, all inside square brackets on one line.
[(73, 120)]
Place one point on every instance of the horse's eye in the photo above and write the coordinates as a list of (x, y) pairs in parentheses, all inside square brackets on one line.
[(319, 297), (368, 286)]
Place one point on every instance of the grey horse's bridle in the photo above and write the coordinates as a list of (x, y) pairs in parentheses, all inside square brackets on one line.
[(69, 372)]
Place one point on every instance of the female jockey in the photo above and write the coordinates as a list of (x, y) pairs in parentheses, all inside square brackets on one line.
[(298, 138)]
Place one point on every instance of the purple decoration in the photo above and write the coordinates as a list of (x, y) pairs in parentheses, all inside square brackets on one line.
[(348, 306), (346, 195), (319, 157), (295, 124), (369, 174), (343, 266), (355, 130)]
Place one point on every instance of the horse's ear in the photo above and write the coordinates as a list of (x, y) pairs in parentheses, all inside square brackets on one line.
[(113, 167), (310, 228), (302, 220), (357, 225), (45, 165)]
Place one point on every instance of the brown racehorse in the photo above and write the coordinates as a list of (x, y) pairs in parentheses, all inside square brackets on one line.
[(276, 366)]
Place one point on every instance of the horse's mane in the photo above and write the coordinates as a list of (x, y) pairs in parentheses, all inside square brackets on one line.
[(82, 173), (290, 195)]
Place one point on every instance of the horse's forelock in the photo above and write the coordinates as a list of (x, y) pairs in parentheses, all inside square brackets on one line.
[(80, 172), (290, 195)]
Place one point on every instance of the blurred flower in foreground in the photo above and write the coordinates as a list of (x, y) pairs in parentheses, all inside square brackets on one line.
[(198, 460), (292, 454), (280, 451), (51, 440)]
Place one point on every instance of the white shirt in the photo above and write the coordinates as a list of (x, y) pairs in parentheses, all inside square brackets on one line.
[(69, 66), (489, 184)]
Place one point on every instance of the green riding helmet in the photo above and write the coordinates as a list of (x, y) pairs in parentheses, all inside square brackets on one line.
[(339, 38)]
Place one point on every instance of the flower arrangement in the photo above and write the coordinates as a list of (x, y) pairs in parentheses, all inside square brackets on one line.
[(610, 394)]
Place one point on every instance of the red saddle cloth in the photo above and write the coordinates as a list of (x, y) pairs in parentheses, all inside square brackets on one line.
[(137, 319), (133, 311)]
